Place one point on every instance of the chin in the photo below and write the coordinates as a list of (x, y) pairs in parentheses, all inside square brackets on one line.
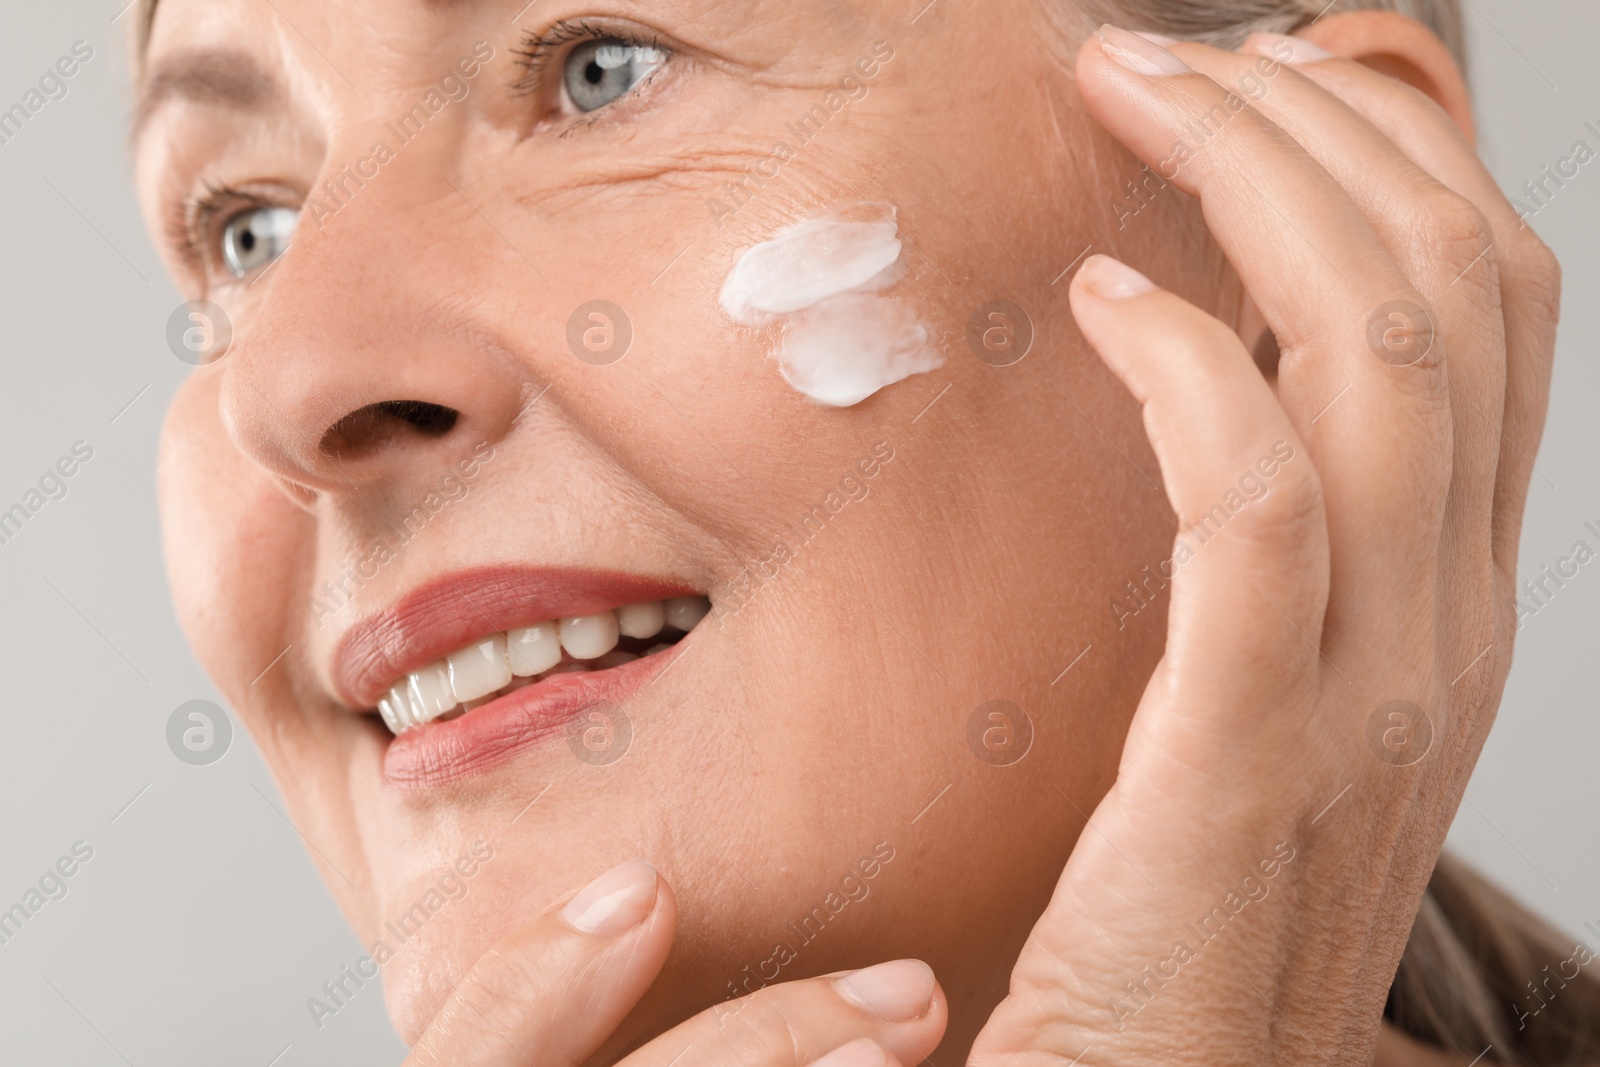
[(419, 978)]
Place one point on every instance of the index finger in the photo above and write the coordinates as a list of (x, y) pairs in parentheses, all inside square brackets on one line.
[(1316, 268), (553, 990), (897, 1006)]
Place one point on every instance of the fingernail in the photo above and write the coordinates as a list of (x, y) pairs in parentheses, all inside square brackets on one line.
[(862, 1052), (1113, 279), (1285, 49), (899, 991), (1139, 54), (1157, 38), (616, 901)]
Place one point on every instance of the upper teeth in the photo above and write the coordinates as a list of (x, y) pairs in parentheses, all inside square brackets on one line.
[(496, 662)]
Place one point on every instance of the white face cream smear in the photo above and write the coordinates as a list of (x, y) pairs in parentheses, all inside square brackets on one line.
[(842, 340)]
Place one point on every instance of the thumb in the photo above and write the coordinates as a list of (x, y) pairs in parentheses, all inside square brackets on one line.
[(552, 991)]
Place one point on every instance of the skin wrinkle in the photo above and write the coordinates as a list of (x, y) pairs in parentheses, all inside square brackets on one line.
[(837, 701), (725, 165), (691, 172)]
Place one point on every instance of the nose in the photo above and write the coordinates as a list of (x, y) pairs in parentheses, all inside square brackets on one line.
[(364, 359)]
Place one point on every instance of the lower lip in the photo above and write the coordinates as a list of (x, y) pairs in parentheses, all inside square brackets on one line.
[(535, 715)]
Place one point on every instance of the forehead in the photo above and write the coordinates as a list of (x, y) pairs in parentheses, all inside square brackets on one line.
[(834, 14)]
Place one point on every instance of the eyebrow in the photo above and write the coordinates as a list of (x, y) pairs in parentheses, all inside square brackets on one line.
[(219, 77)]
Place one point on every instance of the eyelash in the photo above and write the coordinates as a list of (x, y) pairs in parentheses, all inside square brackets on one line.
[(537, 50), (191, 227), (190, 230)]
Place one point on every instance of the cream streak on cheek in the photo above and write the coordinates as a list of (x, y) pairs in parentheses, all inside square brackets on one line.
[(821, 281)]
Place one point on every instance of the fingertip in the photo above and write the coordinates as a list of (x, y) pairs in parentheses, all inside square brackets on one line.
[(615, 902), (1107, 278), (1284, 49), (1099, 299), (900, 990), (1142, 53)]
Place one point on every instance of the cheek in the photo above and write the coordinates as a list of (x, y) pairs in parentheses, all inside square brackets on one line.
[(233, 543), (828, 284), (239, 557), (424, 972)]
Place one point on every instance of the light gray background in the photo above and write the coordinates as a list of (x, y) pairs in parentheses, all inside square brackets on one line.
[(199, 928)]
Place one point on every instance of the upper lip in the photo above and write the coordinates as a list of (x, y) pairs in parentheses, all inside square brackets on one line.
[(453, 610)]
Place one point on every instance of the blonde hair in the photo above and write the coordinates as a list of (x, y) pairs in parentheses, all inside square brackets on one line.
[(1480, 971), (1477, 969), (1226, 23)]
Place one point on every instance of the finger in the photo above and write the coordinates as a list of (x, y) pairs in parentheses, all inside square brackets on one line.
[(1290, 230), (1530, 277), (1438, 237), (897, 1005), (554, 990), (1250, 564), (863, 1052)]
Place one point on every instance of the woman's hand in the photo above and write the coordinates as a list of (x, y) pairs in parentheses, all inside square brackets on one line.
[(1343, 608), (552, 992), (1340, 629)]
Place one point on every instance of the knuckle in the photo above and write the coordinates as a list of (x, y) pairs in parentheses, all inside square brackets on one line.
[(498, 983), (1207, 332), (1200, 341), (1455, 228), (1536, 268), (1289, 520)]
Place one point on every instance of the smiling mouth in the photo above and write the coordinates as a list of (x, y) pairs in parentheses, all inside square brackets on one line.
[(500, 663)]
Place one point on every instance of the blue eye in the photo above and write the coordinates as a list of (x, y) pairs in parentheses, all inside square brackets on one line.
[(600, 72), (256, 237)]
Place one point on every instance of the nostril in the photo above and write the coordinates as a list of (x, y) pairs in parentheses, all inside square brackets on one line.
[(433, 420), (375, 425)]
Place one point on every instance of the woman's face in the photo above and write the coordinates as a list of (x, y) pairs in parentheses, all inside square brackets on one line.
[(804, 766)]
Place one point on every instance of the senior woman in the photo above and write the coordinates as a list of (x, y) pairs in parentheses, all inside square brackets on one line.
[(723, 445)]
